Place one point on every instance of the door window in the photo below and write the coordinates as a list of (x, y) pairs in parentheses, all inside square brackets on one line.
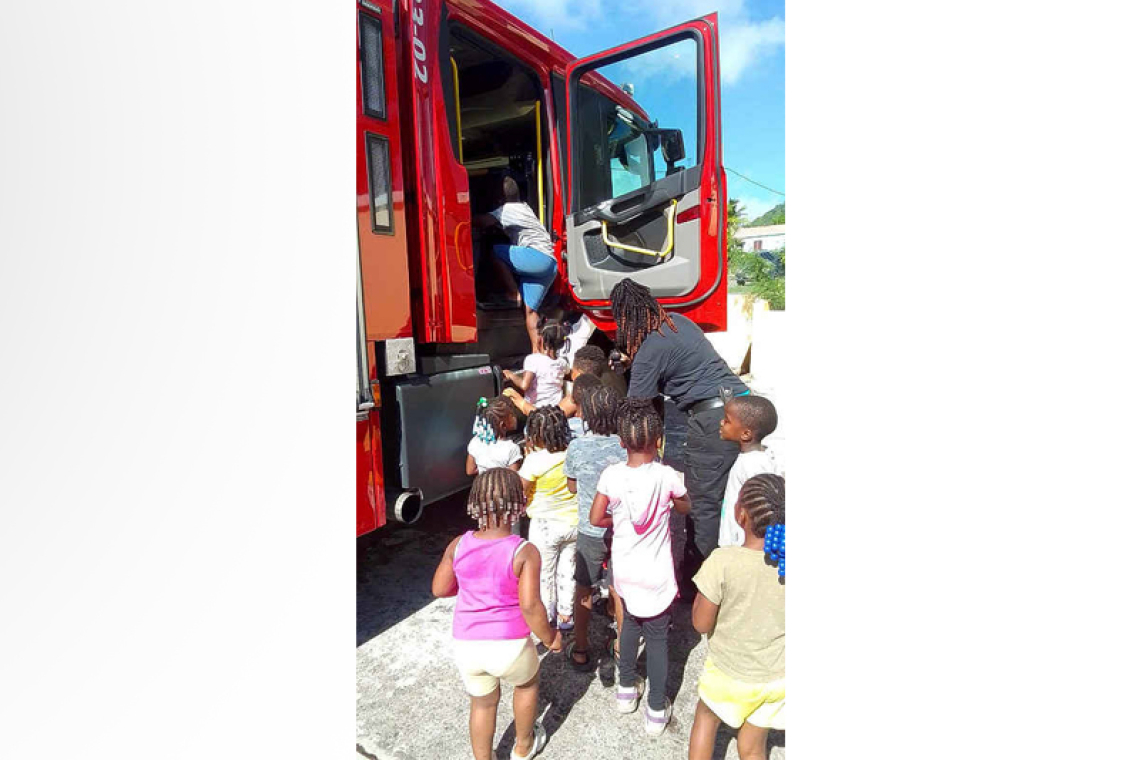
[(621, 151)]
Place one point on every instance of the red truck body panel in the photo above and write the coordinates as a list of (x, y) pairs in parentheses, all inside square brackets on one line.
[(416, 272)]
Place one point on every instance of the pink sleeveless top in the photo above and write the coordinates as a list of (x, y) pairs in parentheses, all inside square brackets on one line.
[(487, 606)]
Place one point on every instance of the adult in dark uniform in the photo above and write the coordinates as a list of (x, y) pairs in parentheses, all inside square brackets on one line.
[(669, 354)]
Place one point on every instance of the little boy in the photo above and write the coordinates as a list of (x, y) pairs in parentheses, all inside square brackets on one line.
[(592, 359), (748, 420)]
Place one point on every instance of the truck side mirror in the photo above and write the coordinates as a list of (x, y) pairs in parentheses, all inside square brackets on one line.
[(672, 147)]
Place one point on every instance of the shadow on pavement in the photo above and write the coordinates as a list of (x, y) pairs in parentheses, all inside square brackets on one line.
[(559, 688), (395, 564)]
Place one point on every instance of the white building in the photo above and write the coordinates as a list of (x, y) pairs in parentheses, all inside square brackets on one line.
[(769, 238)]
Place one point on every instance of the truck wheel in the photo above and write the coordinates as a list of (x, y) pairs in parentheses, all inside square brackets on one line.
[(408, 507)]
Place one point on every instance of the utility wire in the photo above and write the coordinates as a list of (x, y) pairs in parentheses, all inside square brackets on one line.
[(754, 182)]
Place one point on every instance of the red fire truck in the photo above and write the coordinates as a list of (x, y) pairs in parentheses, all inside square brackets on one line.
[(619, 154)]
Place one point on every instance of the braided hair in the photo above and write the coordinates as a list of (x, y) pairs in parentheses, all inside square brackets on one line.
[(584, 386), (762, 499), (639, 425), (547, 428), (553, 336), (636, 314), (600, 409), (496, 493), (492, 418)]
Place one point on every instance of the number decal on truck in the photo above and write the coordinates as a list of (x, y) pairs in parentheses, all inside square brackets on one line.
[(418, 48)]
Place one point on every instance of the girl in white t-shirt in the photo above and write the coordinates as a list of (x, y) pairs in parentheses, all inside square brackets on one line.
[(491, 447), (544, 373), (640, 495)]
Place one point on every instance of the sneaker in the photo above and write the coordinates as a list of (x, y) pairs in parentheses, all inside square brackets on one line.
[(628, 696), (655, 722), (539, 743)]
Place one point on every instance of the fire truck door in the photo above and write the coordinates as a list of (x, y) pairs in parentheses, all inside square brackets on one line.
[(647, 194)]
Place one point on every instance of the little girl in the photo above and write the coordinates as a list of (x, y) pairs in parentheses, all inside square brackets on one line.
[(490, 446), (740, 605), (495, 576), (543, 372), (553, 510), (639, 494)]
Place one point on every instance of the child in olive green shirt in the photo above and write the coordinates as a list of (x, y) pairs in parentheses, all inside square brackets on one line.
[(740, 605)]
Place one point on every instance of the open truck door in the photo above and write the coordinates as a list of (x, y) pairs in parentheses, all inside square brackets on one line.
[(646, 184)]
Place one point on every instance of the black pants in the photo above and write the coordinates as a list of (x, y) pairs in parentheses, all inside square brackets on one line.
[(707, 462), (656, 630)]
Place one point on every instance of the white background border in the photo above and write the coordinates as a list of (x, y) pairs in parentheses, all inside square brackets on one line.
[(176, 288)]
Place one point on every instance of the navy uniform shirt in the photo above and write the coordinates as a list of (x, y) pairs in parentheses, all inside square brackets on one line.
[(683, 365)]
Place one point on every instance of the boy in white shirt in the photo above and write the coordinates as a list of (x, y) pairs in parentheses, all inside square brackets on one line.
[(748, 420)]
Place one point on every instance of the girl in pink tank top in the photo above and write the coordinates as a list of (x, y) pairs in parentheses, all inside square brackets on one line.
[(495, 577)]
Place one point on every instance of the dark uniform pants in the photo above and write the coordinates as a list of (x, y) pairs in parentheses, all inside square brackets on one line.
[(707, 462)]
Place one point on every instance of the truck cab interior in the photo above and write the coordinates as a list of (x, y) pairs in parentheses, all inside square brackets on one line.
[(497, 130)]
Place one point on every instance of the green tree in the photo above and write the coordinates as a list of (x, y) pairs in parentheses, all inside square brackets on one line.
[(772, 216), (764, 278)]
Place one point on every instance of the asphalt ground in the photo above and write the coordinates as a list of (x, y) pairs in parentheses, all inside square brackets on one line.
[(410, 701)]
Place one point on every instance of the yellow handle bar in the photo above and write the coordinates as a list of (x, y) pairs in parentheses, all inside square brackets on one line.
[(670, 213)]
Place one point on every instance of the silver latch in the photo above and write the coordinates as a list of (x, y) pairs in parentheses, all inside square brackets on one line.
[(399, 356)]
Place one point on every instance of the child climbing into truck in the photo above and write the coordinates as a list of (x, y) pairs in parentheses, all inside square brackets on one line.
[(528, 262), (495, 577), (541, 380)]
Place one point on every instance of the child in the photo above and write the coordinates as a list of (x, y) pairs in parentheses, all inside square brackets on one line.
[(543, 373), (740, 605), (499, 451), (568, 405), (592, 359), (639, 494), (582, 386), (552, 509), (495, 576), (748, 420), (586, 458)]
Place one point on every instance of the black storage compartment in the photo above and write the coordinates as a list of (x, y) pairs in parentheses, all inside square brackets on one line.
[(427, 426)]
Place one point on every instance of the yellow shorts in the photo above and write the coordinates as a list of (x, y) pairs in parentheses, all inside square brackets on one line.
[(734, 702), (483, 663)]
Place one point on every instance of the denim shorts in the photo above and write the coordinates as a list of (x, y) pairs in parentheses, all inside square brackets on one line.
[(534, 270)]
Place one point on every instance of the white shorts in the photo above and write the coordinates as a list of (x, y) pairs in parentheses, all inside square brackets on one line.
[(483, 663)]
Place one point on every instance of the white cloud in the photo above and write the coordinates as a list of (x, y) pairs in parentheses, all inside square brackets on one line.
[(744, 41), (548, 15), (743, 45)]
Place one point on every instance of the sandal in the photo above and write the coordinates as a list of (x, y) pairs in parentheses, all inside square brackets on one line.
[(581, 667), (539, 743)]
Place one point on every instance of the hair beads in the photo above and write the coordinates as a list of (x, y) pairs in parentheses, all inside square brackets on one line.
[(774, 544), (482, 427), (497, 498)]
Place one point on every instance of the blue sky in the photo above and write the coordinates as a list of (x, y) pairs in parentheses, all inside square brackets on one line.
[(752, 69)]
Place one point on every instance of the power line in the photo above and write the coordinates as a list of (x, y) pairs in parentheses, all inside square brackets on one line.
[(754, 182)]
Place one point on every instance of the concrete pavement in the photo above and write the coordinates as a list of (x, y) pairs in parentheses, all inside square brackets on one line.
[(410, 701)]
